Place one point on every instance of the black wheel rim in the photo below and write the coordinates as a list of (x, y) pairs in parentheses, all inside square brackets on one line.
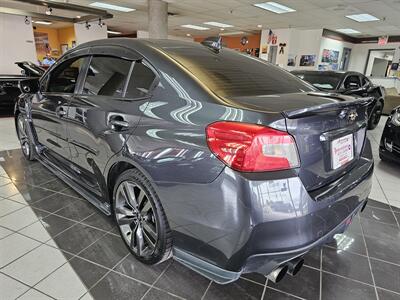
[(377, 115), (135, 217), (22, 135)]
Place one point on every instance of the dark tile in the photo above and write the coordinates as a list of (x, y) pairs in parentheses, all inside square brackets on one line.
[(70, 192), (395, 209), (305, 284), (271, 294), (40, 213), (155, 294), (107, 251), (240, 289), (148, 273), (183, 282), (101, 221), (346, 264), (355, 226), (33, 177), (115, 286), (313, 258), (55, 185), (33, 194), (77, 211), (256, 277), (54, 224), (386, 275), (380, 215), (335, 287), (378, 204), (387, 250), (88, 273), (77, 238), (386, 295), (397, 215), (380, 230), (349, 241), (54, 202)]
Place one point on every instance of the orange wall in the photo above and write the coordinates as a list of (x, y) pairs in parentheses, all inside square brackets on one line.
[(56, 38), (233, 42), (66, 36)]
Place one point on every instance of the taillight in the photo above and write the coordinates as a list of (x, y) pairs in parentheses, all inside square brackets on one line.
[(252, 148)]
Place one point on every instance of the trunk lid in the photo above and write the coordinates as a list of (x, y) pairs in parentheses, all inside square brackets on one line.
[(328, 129)]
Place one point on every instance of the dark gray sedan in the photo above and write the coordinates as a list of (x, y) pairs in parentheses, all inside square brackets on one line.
[(225, 162)]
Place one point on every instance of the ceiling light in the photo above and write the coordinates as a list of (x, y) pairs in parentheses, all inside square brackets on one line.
[(42, 22), (217, 24), (259, 26), (112, 7), (363, 18), (114, 32), (222, 29), (188, 34), (78, 17), (231, 33), (274, 7), (195, 27), (348, 31)]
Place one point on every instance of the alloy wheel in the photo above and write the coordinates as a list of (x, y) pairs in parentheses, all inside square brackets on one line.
[(23, 136), (135, 217)]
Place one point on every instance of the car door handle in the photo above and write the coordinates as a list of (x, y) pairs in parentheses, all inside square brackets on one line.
[(118, 125), (61, 112)]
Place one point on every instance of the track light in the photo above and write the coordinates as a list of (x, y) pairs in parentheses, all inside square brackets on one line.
[(49, 11), (100, 23), (27, 22), (87, 25)]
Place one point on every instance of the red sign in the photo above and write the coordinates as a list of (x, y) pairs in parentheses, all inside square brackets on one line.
[(383, 40)]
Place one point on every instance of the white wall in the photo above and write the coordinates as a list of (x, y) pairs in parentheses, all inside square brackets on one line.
[(142, 34), (331, 44), (95, 32), (308, 42), (17, 43)]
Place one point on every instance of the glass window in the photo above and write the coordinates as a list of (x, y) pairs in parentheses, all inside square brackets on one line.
[(106, 76), (64, 77), (141, 79), (230, 74), (323, 80), (352, 82)]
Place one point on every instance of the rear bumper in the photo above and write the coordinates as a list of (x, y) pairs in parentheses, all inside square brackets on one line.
[(240, 224)]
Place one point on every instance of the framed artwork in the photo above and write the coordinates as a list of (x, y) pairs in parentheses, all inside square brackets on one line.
[(64, 48), (307, 60), (330, 56)]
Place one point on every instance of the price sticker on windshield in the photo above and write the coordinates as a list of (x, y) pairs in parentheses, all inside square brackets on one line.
[(342, 151)]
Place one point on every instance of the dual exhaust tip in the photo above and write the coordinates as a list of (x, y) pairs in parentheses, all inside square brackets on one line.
[(292, 268)]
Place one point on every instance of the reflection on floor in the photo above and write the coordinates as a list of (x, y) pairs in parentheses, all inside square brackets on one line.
[(54, 244)]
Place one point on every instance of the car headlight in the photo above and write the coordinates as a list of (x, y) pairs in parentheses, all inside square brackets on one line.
[(396, 117)]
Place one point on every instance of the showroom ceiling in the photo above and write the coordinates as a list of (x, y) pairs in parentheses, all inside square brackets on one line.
[(245, 17)]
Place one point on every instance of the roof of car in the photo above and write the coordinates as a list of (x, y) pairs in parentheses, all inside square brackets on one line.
[(328, 72)]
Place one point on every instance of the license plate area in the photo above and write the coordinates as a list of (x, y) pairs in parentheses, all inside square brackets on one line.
[(342, 151)]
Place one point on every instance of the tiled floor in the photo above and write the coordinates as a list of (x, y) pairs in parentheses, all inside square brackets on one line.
[(54, 244)]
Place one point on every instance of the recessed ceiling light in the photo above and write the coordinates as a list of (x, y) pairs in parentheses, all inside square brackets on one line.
[(348, 31), (363, 18), (114, 32), (42, 22), (217, 24), (259, 26), (222, 29), (112, 7), (78, 17), (188, 34), (231, 33), (195, 27), (274, 7)]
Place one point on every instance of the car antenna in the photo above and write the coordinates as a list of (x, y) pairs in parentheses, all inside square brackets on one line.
[(213, 42)]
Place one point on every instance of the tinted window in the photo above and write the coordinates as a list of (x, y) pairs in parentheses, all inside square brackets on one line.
[(321, 81), (352, 81), (106, 76), (64, 77), (141, 79), (229, 73)]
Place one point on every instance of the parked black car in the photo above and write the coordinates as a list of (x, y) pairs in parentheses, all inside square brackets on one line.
[(9, 86), (224, 161), (348, 83), (389, 148)]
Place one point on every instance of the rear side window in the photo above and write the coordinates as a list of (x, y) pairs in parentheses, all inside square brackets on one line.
[(106, 76), (352, 82), (64, 77), (140, 82)]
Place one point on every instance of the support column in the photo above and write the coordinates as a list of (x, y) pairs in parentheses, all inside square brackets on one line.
[(158, 19)]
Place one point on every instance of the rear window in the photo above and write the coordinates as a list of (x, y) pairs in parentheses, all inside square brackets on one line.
[(321, 81), (230, 74)]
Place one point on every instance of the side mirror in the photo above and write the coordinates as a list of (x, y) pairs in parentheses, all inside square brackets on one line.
[(29, 86)]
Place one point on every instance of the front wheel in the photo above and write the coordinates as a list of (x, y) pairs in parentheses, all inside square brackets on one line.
[(26, 144), (141, 219), (375, 116)]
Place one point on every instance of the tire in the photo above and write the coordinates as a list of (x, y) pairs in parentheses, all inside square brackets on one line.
[(141, 219), (28, 150), (375, 116)]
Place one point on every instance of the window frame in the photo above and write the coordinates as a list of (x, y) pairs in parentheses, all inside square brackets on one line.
[(350, 75)]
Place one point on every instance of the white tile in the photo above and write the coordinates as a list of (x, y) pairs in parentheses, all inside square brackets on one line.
[(18, 198), (52, 244), (4, 180), (37, 264), (8, 190), (33, 295), (14, 246), (8, 206), (2, 171), (36, 231), (55, 286), (87, 296), (395, 203), (19, 219), (4, 232), (10, 288)]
